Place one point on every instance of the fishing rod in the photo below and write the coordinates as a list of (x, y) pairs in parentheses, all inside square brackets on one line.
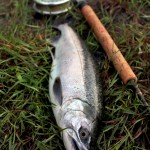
[(114, 54)]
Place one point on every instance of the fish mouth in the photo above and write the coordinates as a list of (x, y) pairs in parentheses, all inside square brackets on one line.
[(72, 141), (75, 144), (76, 141)]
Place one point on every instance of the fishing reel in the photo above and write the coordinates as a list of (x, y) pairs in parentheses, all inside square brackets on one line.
[(51, 7)]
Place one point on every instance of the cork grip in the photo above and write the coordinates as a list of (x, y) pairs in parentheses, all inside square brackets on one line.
[(108, 45)]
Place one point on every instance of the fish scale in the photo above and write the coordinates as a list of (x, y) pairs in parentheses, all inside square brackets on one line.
[(74, 90), (71, 63)]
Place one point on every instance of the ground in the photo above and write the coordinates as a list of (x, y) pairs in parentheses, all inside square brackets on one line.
[(26, 118)]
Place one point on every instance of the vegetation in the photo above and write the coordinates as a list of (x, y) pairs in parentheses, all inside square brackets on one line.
[(26, 118)]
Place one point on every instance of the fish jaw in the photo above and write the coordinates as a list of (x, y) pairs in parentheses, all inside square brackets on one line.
[(78, 130), (77, 136), (71, 142)]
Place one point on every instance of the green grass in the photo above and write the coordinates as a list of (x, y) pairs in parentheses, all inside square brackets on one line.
[(26, 118)]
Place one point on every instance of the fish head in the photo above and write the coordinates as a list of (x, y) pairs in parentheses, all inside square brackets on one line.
[(77, 135)]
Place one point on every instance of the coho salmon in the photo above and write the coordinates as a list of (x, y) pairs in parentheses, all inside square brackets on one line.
[(74, 90)]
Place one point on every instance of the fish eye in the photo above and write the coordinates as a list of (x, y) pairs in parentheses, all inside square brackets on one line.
[(83, 133)]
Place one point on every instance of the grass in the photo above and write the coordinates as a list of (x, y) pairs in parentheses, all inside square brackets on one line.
[(26, 118)]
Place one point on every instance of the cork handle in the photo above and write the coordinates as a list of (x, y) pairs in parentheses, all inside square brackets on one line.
[(108, 45)]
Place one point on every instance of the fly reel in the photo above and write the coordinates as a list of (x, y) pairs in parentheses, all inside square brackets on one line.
[(51, 7)]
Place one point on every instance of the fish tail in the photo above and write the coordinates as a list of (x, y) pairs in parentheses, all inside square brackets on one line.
[(62, 19)]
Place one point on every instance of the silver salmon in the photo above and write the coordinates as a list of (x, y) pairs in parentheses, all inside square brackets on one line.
[(74, 90)]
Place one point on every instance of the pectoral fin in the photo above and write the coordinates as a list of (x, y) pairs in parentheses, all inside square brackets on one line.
[(57, 90)]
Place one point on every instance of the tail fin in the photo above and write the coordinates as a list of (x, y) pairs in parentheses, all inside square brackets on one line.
[(62, 19)]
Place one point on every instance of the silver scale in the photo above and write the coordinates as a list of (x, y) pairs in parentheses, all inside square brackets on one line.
[(51, 7)]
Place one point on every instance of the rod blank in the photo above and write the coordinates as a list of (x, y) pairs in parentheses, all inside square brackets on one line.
[(108, 45)]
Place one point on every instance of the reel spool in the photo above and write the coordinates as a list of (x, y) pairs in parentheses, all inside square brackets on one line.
[(51, 7)]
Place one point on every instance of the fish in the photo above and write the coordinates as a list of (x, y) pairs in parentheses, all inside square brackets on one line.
[(74, 89)]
